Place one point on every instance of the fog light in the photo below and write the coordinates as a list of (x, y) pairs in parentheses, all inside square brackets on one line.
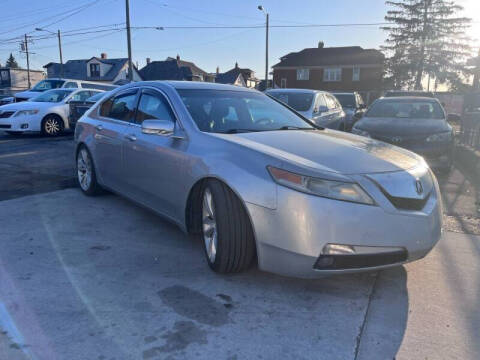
[(24, 126), (337, 249)]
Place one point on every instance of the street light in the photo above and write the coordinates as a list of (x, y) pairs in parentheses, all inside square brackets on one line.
[(262, 9), (59, 47)]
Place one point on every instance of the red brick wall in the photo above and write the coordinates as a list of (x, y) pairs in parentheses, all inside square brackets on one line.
[(370, 79)]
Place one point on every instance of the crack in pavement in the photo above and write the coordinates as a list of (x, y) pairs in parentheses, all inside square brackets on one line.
[(365, 318)]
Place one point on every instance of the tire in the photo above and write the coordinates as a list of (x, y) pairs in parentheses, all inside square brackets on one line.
[(52, 125), (86, 176), (226, 225)]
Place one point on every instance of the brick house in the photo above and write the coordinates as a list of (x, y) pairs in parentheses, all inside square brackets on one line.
[(99, 69), (349, 68), (174, 69)]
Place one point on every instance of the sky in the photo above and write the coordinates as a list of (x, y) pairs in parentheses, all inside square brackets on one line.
[(207, 48)]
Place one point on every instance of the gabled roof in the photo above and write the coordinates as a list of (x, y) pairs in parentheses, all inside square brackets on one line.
[(230, 76), (77, 69), (171, 69), (347, 55)]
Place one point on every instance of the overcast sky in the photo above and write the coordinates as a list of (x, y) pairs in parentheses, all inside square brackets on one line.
[(208, 48)]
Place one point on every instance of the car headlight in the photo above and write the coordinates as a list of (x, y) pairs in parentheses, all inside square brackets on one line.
[(441, 137), (360, 132), (26, 112), (337, 190)]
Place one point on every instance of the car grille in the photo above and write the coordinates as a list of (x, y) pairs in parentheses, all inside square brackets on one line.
[(407, 203), (400, 140), (5, 126), (359, 261), (6, 114)]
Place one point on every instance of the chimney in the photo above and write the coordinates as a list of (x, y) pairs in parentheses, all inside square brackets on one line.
[(148, 60), (178, 57), (103, 56), (236, 65), (321, 44), (218, 70)]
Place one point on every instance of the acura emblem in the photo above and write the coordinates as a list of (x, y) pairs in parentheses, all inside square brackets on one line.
[(396, 139), (418, 186)]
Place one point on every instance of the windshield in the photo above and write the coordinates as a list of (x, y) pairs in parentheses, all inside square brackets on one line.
[(95, 97), (221, 111), (406, 110), (53, 96), (296, 100), (347, 100), (45, 85)]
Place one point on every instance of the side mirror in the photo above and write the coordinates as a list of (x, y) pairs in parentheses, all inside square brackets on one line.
[(454, 118), (158, 127)]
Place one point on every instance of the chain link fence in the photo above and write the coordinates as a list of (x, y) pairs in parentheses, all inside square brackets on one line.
[(470, 130)]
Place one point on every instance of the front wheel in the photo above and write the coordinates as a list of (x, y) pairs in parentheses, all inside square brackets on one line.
[(52, 125), (226, 229)]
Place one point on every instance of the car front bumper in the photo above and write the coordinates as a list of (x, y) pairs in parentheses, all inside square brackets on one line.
[(291, 238), (19, 124)]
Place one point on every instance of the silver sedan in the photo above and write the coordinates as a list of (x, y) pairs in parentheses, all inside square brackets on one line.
[(257, 182)]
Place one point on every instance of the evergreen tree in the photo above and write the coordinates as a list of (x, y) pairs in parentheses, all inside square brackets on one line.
[(427, 38), (11, 62)]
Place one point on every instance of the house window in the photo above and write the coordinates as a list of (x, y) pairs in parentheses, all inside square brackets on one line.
[(332, 74), (356, 74), (283, 83), (303, 74), (95, 70)]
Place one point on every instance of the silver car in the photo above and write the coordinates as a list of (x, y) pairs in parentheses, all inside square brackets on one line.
[(256, 182)]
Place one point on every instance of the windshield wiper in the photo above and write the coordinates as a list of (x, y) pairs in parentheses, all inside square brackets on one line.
[(289, 127), (236, 131)]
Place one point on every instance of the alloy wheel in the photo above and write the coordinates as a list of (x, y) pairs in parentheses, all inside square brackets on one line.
[(209, 225), (52, 126), (84, 169)]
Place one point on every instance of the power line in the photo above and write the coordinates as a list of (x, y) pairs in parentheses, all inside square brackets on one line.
[(257, 26)]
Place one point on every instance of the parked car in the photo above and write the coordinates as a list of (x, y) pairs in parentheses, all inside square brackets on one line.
[(6, 99), (78, 108), (46, 113), (397, 93), (415, 123), (255, 180), (49, 84), (319, 106), (353, 106)]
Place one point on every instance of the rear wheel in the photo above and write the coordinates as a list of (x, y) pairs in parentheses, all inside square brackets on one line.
[(226, 230), (52, 125), (86, 177)]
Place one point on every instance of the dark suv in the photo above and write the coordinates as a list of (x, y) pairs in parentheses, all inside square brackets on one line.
[(353, 106)]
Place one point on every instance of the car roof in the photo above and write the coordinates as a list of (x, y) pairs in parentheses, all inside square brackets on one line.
[(296, 90), (408, 98), (344, 93), (196, 85)]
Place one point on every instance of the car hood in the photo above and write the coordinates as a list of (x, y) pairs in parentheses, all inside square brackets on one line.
[(27, 105), (27, 94), (328, 150), (402, 127)]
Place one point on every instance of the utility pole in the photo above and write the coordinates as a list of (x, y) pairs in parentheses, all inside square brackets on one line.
[(28, 62), (60, 50), (129, 42), (59, 47), (266, 54), (262, 9)]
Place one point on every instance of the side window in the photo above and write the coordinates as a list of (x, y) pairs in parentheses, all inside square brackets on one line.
[(120, 107), (319, 103), (331, 104), (153, 106), (81, 96), (70, 85)]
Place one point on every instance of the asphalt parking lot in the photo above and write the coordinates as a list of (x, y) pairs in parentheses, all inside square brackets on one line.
[(101, 278)]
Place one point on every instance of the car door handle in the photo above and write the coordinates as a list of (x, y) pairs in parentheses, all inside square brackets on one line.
[(99, 127), (131, 137)]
